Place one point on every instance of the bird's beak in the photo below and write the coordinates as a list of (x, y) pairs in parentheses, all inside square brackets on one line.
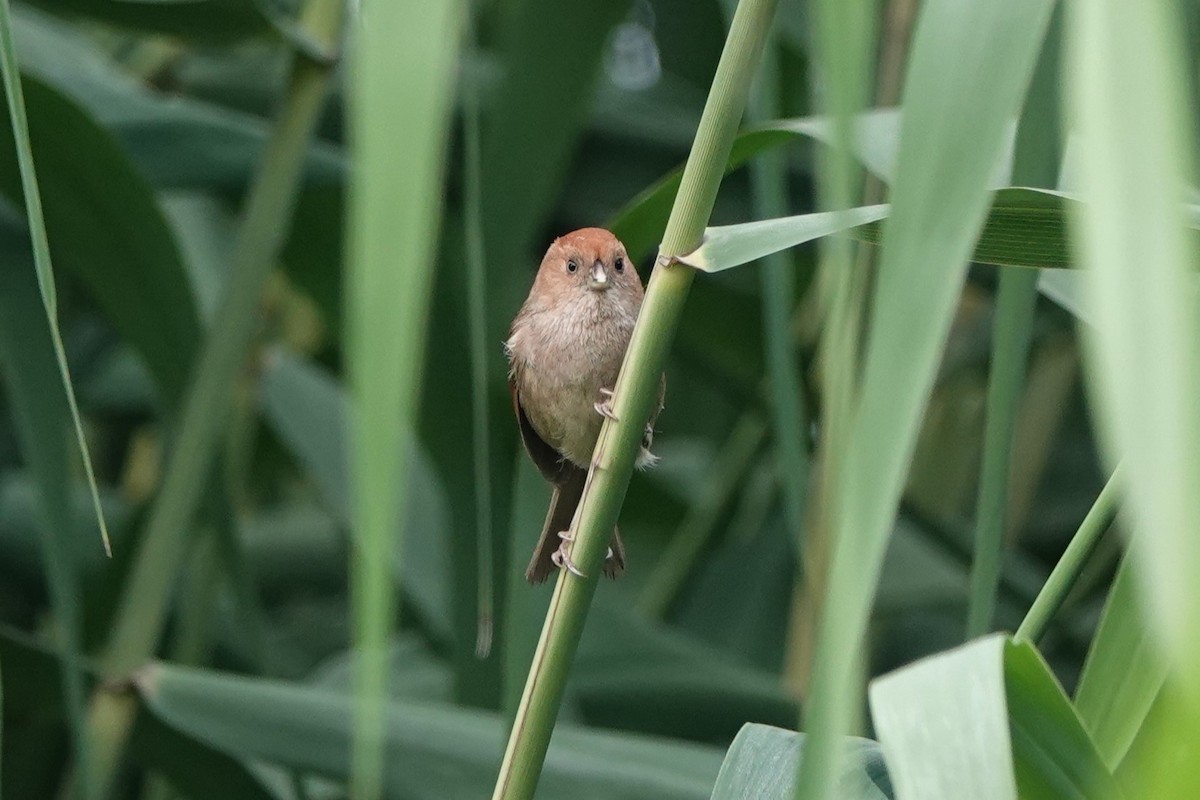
[(598, 279)]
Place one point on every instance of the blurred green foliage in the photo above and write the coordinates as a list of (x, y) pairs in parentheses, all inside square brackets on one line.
[(148, 121)]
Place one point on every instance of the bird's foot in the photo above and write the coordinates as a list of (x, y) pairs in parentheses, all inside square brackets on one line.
[(562, 559), (604, 407)]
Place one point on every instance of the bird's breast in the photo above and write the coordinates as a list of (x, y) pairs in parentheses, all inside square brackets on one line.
[(561, 359)]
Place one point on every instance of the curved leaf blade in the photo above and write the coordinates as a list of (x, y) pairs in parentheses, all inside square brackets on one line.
[(434, 751), (987, 720), (1024, 227), (762, 764), (729, 246)]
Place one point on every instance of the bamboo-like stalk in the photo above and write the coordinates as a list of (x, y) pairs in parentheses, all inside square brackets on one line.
[(1011, 332), (785, 392), (635, 393), (1068, 568), (148, 591), (1036, 163)]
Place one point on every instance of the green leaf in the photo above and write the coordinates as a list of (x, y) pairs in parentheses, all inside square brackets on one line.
[(1136, 169), (416, 674), (19, 130), (1111, 705), (309, 411), (1053, 755), (405, 68), (935, 747), (1135, 160), (1024, 228), (105, 226), (640, 223), (34, 366), (729, 246), (434, 751), (986, 720), (961, 90), (761, 764), (32, 684)]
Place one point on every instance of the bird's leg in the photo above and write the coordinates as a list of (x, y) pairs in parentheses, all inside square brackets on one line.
[(562, 559), (604, 407)]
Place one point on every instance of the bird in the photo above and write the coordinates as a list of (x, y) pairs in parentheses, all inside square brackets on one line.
[(564, 349)]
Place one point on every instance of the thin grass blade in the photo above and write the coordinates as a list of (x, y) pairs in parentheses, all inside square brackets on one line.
[(1068, 569), (41, 247)]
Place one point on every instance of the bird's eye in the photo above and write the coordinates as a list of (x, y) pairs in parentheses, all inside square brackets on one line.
[(619, 264), (572, 266)]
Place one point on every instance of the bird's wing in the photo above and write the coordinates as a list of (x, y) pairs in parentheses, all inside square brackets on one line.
[(548, 460)]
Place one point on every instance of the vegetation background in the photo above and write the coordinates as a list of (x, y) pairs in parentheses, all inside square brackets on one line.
[(200, 243)]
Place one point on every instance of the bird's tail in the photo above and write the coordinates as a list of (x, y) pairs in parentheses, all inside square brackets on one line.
[(563, 504)]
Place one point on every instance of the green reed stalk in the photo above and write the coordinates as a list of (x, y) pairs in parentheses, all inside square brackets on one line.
[(635, 393)]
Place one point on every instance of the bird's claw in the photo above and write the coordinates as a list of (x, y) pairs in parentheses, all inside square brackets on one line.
[(563, 561), (604, 407), (566, 536)]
